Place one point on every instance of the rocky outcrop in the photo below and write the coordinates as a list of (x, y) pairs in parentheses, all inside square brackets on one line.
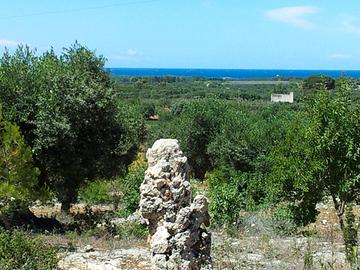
[(177, 225)]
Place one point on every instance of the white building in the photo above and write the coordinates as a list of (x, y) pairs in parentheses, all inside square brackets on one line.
[(289, 98)]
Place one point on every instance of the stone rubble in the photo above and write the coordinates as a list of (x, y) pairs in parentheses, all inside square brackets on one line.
[(129, 259), (177, 226)]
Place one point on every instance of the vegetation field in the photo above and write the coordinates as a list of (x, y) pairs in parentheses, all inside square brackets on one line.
[(73, 138)]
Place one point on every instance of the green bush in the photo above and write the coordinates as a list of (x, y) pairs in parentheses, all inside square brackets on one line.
[(130, 187), (317, 82), (131, 230), (18, 176), (282, 220), (97, 192), (214, 132), (230, 192), (149, 109), (351, 236), (226, 199), (19, 251)]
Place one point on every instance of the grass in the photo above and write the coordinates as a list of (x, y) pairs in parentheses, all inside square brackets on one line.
[(21, 250)]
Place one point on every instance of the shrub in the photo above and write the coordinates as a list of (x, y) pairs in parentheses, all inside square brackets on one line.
[(350, 236), (130, 187), (282, 220), (230, 192), (149, 110), (97, 192), (19, 251), (178, 107), (214, 133), (131, 230), (226, 199), (18, 176)]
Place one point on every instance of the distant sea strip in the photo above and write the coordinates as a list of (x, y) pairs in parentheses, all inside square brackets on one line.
[(231, 73)]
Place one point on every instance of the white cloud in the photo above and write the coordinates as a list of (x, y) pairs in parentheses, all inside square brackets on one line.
[(348, 25), (8, 43), (296, 15), (339, 56), (134, 53)]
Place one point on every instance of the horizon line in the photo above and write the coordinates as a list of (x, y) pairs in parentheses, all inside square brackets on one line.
[(198, 68)]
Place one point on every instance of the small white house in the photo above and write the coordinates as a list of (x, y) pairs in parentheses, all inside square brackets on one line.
[(289, 98)]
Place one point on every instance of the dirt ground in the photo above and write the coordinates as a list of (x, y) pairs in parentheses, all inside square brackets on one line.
[(321, 248)]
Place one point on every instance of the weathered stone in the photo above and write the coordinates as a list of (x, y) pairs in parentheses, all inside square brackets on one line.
[(160, 241), (88, 248), (178, 237), (106, 260)]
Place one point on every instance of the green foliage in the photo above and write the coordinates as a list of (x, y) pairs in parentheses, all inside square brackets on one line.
[(227, 198), (130, 189), (69, 114), (214, 132), (230, 192), (196, 127), (194, 187), (293, 167), (319, 156), (238, 123), (308, 257), (318, 82), (19, 251), (206, 135), (97, 192), (350, 236), (18, 176), (178, 107), (229, 145), (131, 230), (282, 220), (178, 89), (149, 109)]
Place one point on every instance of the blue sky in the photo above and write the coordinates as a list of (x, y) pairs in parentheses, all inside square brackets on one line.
[(274, 34)]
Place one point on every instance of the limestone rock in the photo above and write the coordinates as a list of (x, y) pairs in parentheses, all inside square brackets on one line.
[(88, 248), (177, 226)]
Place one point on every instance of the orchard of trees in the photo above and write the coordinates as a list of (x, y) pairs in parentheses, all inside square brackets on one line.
[(67, 125)]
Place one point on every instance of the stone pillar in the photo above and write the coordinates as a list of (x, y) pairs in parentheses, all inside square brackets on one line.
[(177, 225)]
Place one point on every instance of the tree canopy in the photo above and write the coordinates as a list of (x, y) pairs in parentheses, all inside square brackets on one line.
[(18, 176), (69, 114), (320, 155), (317, 82)]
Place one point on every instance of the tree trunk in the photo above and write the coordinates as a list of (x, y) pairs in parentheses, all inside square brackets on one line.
[(69, 194), (65, 206), (340, 209)]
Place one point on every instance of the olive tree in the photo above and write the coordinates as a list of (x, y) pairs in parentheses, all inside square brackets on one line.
[(214, 133), (211, 133), (317, 82), (70, 116)]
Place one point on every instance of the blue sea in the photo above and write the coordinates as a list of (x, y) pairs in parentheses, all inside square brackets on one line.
[(231, 73)]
